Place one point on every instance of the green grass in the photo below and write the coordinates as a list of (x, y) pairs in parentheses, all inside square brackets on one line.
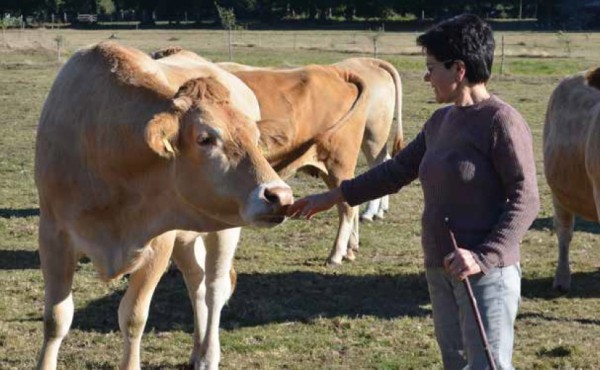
[(289, 311)]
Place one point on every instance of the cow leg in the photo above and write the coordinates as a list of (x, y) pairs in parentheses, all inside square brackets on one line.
[(189, 255), (346, 240), (340, 248), (134, 306), (371, 211), (220, 249), (564, 222), (353, 242), (58, 262), (376, 208)]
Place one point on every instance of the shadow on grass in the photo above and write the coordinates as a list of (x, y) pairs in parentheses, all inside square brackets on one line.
[(262, 299), (584, 285), (19, 260), (545, 317), (546, 223), (19, 213)]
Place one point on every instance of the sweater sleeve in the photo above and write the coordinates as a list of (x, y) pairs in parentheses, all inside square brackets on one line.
[(512, 157), (388, 177)]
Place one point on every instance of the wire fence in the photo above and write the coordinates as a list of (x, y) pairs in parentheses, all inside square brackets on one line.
[(373, 43)]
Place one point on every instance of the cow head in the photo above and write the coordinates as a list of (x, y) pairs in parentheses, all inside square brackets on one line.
[(219, 169)]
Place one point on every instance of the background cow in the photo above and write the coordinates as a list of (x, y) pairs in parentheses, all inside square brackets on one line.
[(129, 149), (385, 103), (572, 159), (284, 97)]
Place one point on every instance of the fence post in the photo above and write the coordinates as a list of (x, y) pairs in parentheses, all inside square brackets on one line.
[(374, 38), (59, 41), (374, 48), (229, 44), (502, 58)]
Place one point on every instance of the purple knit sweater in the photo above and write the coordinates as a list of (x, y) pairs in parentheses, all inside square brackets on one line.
[(476, 168)]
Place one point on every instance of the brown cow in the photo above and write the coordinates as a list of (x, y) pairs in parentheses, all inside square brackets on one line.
[(572, 159), (128, 150), (385, 104), (287, 109)]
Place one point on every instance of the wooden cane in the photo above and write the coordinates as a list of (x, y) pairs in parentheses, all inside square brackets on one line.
[(473, 301)]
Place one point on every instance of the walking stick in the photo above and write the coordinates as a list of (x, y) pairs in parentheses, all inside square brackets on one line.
[(473, 301)]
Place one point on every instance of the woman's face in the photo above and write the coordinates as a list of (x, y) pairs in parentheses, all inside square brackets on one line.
[(443, 80)]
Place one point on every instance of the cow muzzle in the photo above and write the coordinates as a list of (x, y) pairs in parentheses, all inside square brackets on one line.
[(268, 204)]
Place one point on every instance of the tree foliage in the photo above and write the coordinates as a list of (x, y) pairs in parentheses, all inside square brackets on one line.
[(147, 11)]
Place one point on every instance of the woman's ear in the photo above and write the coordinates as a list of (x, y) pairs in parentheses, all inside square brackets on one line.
[(461, 70)]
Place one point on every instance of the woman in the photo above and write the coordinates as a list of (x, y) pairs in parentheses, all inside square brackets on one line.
[(475, 161)]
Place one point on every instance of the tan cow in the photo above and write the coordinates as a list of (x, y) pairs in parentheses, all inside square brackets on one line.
[(385, 104), (572, 159), (128, 150), (328, 144), (286, 108)]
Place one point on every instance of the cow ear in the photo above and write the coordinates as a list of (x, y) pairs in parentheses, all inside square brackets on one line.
[(181, 104), (161, 131)]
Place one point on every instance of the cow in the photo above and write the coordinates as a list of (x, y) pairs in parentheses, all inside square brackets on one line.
[(275, 88), (572, 159), (328, 144), (128, 151), (385, 86)]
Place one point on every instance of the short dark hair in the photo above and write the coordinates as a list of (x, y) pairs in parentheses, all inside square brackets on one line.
[(465, 37)]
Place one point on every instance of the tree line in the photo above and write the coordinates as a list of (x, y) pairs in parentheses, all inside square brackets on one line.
[(571, 13)]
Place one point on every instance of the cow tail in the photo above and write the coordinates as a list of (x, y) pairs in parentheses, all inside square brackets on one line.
[(358, 108), (399, 134)]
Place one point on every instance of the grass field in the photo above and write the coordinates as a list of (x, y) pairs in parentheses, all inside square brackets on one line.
[(289, 311)]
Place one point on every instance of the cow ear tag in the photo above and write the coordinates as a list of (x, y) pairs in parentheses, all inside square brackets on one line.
[(168, 146)]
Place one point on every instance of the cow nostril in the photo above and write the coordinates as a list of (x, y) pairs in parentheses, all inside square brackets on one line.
[(279, 195)]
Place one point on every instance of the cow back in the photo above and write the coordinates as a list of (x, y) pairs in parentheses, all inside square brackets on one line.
[(305, 102)]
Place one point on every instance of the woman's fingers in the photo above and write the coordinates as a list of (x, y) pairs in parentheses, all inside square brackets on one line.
[(310, 205), (294, 209), (302, 208), (461, 264)]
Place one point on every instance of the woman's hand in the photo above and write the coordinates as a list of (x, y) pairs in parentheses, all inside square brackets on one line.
[(461, 263), (308, 206)]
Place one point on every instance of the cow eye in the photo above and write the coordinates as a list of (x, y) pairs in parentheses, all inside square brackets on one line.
[(206, 139)]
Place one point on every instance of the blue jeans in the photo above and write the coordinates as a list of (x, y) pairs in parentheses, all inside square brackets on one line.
[(498, 295)]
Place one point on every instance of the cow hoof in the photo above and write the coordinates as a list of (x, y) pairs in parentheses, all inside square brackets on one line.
[(366, 218), (562, 279), (333, 263), (379, 215), (203, 365), (561, 286), (350, 256)]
